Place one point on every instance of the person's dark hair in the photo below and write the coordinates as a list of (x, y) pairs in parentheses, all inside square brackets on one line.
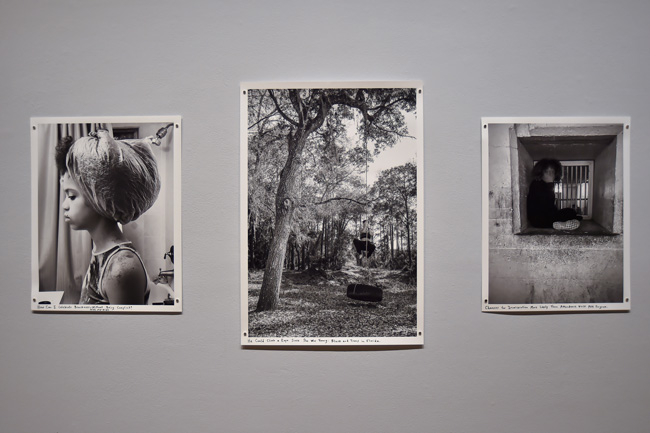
[(543, 164), (61, 153)]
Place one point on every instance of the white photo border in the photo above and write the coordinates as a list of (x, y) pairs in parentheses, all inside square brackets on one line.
[(39, 298), (625, 305), (246, 340)]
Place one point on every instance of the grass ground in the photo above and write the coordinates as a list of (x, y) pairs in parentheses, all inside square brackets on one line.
[(316, 305)]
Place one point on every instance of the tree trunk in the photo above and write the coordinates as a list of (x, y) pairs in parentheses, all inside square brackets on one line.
[(398, 237), (299, 251), (392, 244), (322, 239), (291, 258), (285, 205), (326, 238), (408, 232), (252, 247)]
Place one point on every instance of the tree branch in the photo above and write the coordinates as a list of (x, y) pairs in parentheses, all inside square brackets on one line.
[(391, 132), (342, 198), (316, 122), (384, 107), (298, 106), (268, 116), (282, 113)]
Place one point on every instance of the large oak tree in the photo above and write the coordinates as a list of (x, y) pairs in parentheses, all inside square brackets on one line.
[(299, 118)]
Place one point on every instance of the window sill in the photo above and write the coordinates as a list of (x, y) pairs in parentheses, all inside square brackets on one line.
[(587, 228)]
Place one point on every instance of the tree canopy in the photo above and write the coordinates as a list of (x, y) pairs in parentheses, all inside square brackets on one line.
[(307, 156)]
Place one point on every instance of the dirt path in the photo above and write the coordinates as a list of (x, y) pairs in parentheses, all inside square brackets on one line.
[(349, 274)]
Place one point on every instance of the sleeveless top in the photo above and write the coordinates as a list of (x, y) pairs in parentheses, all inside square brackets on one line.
[(92, 291)]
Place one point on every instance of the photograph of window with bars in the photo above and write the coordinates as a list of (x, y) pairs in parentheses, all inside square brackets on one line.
[(554, 212)]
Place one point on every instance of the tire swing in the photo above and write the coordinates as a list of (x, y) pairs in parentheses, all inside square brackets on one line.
[(365, 292), (365, 248)]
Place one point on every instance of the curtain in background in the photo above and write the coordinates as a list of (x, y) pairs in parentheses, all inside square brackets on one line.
[(63, 254)]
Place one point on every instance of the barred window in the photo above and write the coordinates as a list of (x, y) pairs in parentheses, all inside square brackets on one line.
[(575, 190), (592, 173)]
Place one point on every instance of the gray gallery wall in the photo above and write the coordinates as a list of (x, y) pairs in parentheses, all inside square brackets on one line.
[(476, 372)]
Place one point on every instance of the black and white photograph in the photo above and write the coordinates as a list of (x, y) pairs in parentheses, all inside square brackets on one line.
[(555, 214), (106, 233), (331, 213)]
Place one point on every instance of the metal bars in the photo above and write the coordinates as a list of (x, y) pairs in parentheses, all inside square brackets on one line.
[(575, 189)]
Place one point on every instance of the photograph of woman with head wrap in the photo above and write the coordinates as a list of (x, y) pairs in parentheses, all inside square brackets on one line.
[(114, 223)]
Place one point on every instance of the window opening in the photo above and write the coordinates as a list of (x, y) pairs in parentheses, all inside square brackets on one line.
[(126, 133), (574, 189), (592, 181)]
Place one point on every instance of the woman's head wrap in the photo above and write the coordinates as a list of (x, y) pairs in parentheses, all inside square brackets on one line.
[(119, 179)]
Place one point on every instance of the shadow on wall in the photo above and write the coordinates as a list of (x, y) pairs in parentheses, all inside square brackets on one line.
[(546, 266)]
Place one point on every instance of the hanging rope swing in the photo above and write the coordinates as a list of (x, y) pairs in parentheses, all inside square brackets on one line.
[(365, 248)]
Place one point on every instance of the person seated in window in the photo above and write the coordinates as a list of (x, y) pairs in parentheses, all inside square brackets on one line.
[(542, 211), (364, 245)]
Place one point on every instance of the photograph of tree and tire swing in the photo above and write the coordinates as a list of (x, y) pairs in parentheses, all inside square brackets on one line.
[(333, 213)]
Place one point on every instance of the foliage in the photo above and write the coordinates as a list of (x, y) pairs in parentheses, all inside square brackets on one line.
[(308, 150), (333, 198), (395, 194)]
